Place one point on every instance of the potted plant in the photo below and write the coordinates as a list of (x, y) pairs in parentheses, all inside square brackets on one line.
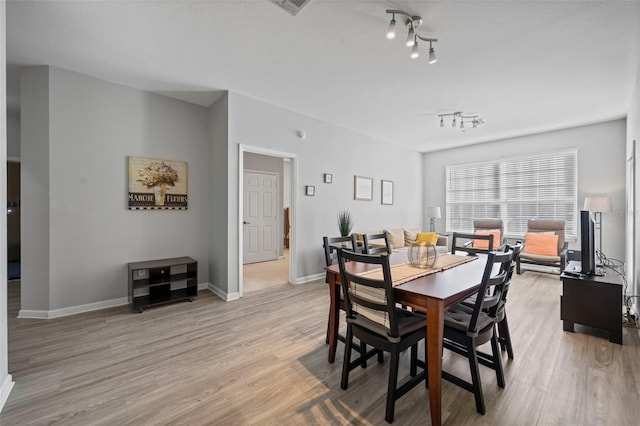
[(345, 222)]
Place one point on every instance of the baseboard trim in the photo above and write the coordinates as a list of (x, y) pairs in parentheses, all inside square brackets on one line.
[(227, 297), (72, 310), (309, 278), (5, 390)]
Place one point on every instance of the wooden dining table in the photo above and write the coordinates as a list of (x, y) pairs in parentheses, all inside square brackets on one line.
[(431, 293)]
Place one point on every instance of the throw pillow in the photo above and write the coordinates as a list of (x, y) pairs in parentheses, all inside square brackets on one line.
[(396, 237), (427, 237), (410, 235), (483, 244), (541, 244)]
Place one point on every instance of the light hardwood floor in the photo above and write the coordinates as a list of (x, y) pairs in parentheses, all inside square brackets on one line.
[(263, 275), (263, 360)]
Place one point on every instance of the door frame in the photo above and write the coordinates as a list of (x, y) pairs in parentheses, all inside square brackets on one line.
[(293, 255)]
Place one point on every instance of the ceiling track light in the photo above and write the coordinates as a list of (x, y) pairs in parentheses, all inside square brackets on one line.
[(412, 22), (391, 33), (474, 119)]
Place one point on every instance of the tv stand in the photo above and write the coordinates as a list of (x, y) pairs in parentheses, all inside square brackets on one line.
[(593, 300)]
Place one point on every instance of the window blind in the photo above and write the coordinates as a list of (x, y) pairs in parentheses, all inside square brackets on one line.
[(539, 186)]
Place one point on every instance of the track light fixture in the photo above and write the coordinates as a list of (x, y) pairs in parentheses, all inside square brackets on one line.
[(474, 119), (412, 22)]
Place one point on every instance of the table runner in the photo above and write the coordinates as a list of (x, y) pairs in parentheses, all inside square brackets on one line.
[(405, 272)]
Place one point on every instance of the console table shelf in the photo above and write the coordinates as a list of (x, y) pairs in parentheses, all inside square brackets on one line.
[(594, 301), (161, 281)]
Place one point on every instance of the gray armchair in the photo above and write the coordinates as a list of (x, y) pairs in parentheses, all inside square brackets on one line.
[(490, 225), (545, 226)]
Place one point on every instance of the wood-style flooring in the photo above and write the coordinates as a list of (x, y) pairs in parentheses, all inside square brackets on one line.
[(263, 275), (262, 360)]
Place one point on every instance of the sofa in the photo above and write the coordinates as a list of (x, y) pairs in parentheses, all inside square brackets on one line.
[(402, 238)]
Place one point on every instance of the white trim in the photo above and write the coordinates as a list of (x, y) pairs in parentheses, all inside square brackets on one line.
[(72, 310), (309, 278), (227, 297), (5, 389), (89, 307), (293, 258)]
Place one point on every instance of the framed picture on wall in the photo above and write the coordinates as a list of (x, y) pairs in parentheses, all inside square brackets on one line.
[(328, 178), (362, 188), (387, 192), (310, 190), (157, 184)]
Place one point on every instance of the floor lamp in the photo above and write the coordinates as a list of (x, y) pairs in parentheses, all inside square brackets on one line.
[(432, 214), (598, 205)]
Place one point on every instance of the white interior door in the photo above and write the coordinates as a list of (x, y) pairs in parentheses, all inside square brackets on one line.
[(260, 218)]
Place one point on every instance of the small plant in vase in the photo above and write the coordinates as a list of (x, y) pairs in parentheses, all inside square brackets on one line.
[(345, 222)]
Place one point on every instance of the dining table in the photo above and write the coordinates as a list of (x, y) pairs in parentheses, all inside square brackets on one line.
[(433, 294)]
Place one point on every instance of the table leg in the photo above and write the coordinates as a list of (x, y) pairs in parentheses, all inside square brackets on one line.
[(334, 311), (435, 334)]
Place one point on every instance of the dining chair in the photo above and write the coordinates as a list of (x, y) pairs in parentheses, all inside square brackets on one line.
[(374, 318), (373, 243), (504, 335), (466, 242), (466, 328), (331, 245)]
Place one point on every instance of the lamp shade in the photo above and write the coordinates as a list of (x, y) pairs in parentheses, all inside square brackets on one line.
[(598, 204), (433, 212)]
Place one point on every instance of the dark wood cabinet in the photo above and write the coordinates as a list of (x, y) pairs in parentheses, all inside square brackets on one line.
[(161, 281), (595, 301)]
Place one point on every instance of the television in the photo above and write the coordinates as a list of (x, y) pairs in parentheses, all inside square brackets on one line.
[(587, 244)]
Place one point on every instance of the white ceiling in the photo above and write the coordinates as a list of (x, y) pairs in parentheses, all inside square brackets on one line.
[(525, 66)]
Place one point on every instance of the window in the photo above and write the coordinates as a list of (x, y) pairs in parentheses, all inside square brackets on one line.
[(540, 186)]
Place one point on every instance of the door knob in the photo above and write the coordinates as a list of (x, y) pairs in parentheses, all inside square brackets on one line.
[(245, 222)]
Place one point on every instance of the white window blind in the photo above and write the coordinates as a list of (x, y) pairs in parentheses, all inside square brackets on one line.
[(540, 186)]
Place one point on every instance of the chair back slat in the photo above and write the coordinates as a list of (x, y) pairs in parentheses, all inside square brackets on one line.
[(372, 298), (369, 249), (331, 245)]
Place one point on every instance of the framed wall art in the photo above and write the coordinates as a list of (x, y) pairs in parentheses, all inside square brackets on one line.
[(328, 178), (362, 188), (310, 190), (387, 192), (157, 184)]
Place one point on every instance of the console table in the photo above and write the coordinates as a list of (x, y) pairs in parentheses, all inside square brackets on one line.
[(161, 281), (595, 301)]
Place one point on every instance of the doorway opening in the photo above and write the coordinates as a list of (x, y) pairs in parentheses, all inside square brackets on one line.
[(13, 220), (266, 218)]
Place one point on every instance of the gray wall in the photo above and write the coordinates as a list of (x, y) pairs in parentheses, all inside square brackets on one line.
[(94, 126), (326, 149), (35, 188), (6, 382), (219, 165), (266, 163), (13, 135), (601, 170), (633, 219)]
